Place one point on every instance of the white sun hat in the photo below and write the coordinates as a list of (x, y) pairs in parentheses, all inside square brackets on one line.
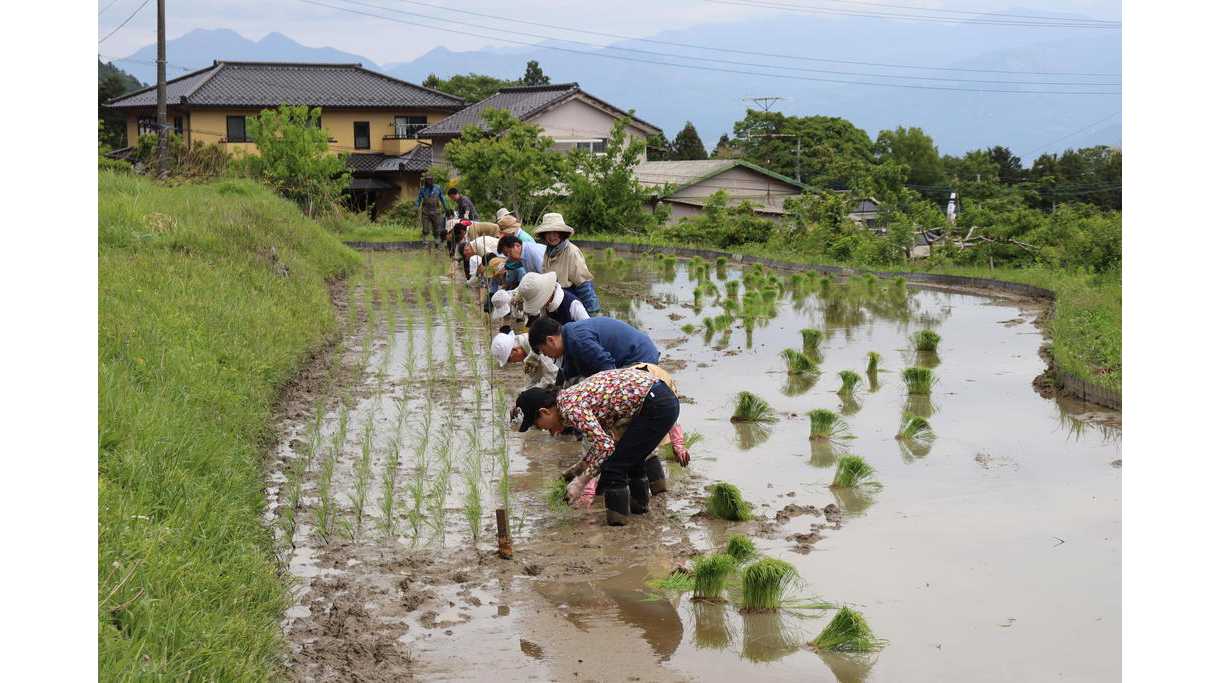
[(501, 346), (553, 222), (502, 212), (501, 302), (535, 290)]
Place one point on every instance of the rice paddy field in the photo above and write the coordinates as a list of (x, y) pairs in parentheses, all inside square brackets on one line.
[(935, 518)]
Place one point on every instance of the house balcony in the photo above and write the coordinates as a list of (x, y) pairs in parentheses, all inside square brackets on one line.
[(396, 145)]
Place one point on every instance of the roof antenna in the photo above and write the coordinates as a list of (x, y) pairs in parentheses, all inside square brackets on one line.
[(764, 102)]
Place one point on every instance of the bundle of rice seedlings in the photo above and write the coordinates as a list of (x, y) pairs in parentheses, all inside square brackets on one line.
[(851, 471), (679, 580), (915, 427), (556, 495), (722, 261), (731, 287), (725, 502), (811, 339), (770, 295), (919, 381), (709, 325), (847, 632), (740, 548), (926, 340), (730, 305), (850, 380), (765, 584), (723, 321), (711, 573), (824, 285), (799, 363), (874, 362), (667, 449), (689, 328), (699, 272), (752, 408), (825, 424)]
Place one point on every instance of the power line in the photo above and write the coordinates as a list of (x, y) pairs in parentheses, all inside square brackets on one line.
[(129, 18), (972, 12), (500, 37), (752, 52), (801, 9), (668, 55), (103, 10), (1074, 133)]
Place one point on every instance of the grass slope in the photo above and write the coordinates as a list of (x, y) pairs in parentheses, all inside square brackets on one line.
[(1085, 331), (199, 328)]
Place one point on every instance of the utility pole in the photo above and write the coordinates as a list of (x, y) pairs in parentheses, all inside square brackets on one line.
[(162, 118), (765, 102), (785, 135)]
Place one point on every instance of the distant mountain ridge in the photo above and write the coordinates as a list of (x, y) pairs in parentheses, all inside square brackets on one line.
[(632, 74)]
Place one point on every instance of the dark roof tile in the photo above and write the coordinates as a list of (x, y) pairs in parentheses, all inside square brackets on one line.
[(521, 102)]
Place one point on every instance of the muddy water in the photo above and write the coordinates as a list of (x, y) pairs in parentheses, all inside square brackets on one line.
[(992, 554)]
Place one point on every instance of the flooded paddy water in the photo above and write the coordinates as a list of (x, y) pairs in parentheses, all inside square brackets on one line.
[(991, 552)]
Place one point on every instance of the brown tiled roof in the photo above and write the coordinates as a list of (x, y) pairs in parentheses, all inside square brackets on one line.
[(522, 102), (418, 159), (270, 84)]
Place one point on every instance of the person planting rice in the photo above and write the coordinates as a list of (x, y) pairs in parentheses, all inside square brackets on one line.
[(593, 407), (587, 347), (507, 347), (539, 294), (510, 225), (566, 260), (522, 258), (475, 254)]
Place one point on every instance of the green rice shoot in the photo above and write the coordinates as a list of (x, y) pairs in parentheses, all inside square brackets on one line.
[(919, 381), (874, 362), (726, 502), (850, 380), (711, 574), (825, 424), (740, 548), (556, 495), (765, 584), (799, 363), (852, 470), (915, 427), (811, 339), (679, 581), (847, 632), (926, 341), (752, 408)]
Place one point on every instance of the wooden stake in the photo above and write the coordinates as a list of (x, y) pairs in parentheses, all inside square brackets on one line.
[(503, 539)]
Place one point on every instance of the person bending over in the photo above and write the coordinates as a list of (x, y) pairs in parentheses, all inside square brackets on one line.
[(587, 347)]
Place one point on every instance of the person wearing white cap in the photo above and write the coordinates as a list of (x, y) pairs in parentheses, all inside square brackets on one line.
[(507, 347), (566, 260), (474, 255), (540, 293), (510, 225)]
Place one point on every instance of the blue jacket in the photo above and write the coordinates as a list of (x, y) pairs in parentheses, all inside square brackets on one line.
[(532, 254), (597, 344)]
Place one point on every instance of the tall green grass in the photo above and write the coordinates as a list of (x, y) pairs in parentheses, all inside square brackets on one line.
[(202, 320)]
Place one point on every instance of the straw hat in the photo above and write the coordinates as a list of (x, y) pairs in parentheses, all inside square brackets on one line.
[(553, 222), (508, 222), (502, 212), (535, 290)]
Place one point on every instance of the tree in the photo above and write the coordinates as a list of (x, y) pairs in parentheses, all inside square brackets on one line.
[(534, 75), (915, 149), (724, 148), (294, 157), (687, 145), (658, 148), (471, 87), (511, 164), (769, 139), (111, 83), (604, 195), (1008, 164)]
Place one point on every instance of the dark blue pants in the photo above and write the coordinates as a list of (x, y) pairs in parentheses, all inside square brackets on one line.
[(642, 436)]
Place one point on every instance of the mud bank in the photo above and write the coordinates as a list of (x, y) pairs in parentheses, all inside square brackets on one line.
[(998, 538)]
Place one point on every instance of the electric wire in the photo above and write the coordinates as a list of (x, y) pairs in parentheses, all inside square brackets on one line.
[(971, 12), (120, 26), (804, 9), (102, 11)]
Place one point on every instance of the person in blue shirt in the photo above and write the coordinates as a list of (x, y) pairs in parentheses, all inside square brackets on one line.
[(587, 347), (522, 258), (432, 209)]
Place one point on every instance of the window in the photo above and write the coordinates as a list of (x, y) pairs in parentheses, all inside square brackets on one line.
[(409, 126), (178, 125), (361, 134), (235, 129), (146, 126), (594, 146)]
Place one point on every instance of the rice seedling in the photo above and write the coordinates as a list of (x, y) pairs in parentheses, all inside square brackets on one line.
[(731, 287), (824, 286), (723, 321), (825, 424), (389, 477), (679, 580), (364, 473), (711, 574), (752, 408), (722, 261), (799, 363), (770, 295), (915, 427), (847, 632), (709, 325), (849, 380), (740, 548), (699, 272), (919, 381), (765, 584), (667, 450), (472, 504), (324, 513), (811, 339), (689, 328), (557, 495), (874, 363), (926, 341), (851, 471), (724, 501)]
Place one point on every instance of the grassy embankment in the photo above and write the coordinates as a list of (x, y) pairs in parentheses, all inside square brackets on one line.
[(210, 298), (1085, 331)]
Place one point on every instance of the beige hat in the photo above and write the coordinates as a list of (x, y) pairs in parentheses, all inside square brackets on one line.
[(508, 222), (535, 290), (502, 212), (553, 222)]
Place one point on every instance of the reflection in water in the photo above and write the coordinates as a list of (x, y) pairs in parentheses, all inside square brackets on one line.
[(823, 453), (799, 384), (848, 405), (873, 383), (927, 359), (712, 628), (914, 449), (857, 499), (751, 434), (769, 636), (920, 405), (849, 667)]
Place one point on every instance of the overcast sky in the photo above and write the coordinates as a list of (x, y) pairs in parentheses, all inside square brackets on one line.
[(388, 42)]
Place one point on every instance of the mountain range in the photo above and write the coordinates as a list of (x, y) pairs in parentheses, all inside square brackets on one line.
[(935, 74)]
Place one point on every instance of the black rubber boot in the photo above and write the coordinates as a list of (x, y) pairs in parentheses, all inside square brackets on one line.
[(617, 506), (639, 495), (655, 469)]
